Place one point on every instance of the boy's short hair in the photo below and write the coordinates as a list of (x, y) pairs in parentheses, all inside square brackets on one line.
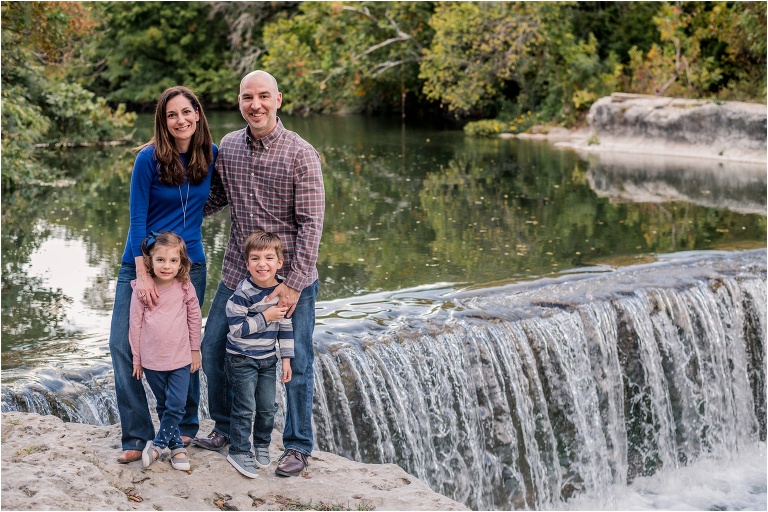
[(262, 241)]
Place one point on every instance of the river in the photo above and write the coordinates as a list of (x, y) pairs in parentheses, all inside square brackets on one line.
[(415, 216)]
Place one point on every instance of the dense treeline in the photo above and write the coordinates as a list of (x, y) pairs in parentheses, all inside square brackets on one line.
[(70, 70)]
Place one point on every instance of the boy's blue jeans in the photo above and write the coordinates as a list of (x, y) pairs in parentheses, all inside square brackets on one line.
[(170, 389), (253, 390), (135, 421), (299, 392)]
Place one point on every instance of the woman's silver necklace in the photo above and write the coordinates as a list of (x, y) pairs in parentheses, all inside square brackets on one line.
[(184, 204)]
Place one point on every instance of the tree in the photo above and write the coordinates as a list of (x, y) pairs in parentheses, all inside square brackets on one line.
[(736, 36), (146, 47), (245, 22), (355, 55), (41, 44), (484, 54), (676, 65), (476, 49)]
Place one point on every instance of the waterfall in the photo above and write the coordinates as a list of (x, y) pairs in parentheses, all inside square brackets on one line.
[(525, 395), (521, 401)]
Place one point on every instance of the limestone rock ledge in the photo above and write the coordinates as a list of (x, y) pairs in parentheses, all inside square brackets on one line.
[(634, 123), (51, 465)]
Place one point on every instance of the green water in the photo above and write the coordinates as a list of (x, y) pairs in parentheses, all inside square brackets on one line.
[(406, 206)]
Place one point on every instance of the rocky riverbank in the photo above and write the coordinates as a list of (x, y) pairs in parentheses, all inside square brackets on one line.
[(631, 123), (653, 125), (51, 465)]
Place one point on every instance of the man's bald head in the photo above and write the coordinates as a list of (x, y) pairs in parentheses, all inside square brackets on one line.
[(261, 74)]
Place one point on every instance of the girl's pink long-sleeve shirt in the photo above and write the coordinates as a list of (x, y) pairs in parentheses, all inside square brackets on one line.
[(162, 338)]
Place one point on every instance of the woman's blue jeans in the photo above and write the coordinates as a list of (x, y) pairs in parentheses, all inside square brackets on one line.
[(135, 420), (299, 392), (170, 389), (253, 386)]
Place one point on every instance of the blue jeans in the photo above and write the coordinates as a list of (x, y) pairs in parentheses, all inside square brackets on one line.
[(135, 421), (299, 392), (213, 350), (253, 384), (170, 389)]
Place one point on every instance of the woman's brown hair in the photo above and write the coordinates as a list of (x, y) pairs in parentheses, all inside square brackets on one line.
[(171, 170)]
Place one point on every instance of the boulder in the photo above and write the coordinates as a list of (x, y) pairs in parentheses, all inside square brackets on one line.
[(636, 123)]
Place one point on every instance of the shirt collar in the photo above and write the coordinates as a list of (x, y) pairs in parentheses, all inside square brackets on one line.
[(268, 139)]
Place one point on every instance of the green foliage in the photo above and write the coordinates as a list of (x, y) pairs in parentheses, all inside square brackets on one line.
[(486, 128), (347, 55), (146, 47), (476, 48), (471, 60), (493, 127), (480, 48), (617, 26), (676, 66), (77, 115), (706, 49), (40, 104)]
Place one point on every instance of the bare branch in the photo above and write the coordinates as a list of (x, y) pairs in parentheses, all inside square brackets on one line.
[(364, 12), (399, 31), (377, 46), (382, 67)]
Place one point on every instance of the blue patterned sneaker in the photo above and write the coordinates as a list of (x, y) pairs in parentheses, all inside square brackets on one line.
[(262, 456), (243, 463)]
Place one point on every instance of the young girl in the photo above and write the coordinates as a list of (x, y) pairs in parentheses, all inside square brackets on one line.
[(165, 341)]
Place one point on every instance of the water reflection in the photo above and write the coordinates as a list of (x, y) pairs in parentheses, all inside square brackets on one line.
[(406, 207), (735, 186)]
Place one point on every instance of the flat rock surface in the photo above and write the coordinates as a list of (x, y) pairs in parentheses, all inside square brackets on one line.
[(51, 465), (636, 123)]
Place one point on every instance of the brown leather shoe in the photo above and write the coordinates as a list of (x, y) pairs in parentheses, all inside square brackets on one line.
[(186, 440), (292, 463), (129, 456), (214, 441)]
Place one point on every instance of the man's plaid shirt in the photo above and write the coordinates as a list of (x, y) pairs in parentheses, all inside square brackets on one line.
[(273, 184)]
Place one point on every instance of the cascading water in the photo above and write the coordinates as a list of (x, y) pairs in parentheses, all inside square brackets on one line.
[(519, 400), (531, 395)]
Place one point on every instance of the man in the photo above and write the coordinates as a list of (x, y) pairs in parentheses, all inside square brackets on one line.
[(272, 180)]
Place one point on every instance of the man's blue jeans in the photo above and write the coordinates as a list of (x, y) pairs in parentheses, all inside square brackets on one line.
[(253, 386), (299, 392), (213, 349), (135, 421), (170, 389)]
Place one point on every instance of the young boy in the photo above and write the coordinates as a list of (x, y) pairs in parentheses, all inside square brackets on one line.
[(255, 328)]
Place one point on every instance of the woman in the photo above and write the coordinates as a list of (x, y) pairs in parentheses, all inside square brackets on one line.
[(170, 184)]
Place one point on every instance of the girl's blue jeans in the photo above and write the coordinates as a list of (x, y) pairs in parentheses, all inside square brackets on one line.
[(135, 421), (170, 389)]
